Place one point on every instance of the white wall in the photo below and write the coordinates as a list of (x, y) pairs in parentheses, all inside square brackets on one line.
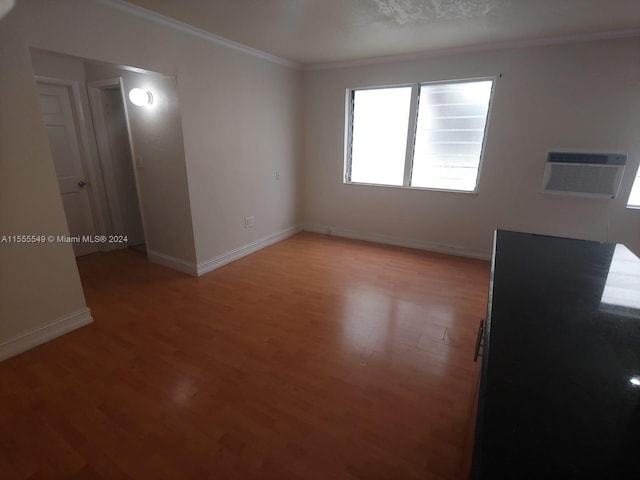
[(39, 283), (582, 96), (243, 125), (240, 117)]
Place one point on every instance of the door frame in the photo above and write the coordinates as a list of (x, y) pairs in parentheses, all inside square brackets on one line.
[(90, 168), (94, 89)]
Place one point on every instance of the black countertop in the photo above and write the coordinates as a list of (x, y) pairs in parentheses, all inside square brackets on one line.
[(558, 394)]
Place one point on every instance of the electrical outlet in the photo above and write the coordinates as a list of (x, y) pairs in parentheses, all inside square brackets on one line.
[(139, 161), (249, 222), (277, 174)]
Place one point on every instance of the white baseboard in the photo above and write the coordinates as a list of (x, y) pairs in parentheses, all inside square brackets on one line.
[(43, 334), (172, 262), (398, 242), (245, 250)]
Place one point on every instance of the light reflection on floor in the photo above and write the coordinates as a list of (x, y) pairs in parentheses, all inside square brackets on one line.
[(390, 326)]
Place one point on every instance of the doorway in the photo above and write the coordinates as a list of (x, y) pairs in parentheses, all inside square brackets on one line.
[(136, 178), (114, 177), (113, 140)]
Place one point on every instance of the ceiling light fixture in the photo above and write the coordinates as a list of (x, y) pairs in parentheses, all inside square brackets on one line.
[(140, 97), (5, 6)]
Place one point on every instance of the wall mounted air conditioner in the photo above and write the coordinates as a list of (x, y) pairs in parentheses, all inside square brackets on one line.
[(584, 174)]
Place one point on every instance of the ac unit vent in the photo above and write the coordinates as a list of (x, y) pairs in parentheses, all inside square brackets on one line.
[(583, 174)]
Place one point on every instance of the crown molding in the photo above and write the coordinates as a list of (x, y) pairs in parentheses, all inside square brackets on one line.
[(487, 47), (179, 26)]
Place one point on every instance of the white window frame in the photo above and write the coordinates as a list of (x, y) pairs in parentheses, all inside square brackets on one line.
[(411, 133)]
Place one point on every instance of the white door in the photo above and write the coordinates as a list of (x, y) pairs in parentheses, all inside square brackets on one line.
[(55, 101), (120, 153)]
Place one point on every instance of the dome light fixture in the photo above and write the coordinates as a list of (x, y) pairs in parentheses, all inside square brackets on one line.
[(5, 6), (140, 97)]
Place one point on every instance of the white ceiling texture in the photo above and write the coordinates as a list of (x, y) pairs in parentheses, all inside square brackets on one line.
[(320, 31)]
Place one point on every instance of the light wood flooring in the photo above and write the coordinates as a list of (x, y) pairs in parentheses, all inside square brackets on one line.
[(315, 358)]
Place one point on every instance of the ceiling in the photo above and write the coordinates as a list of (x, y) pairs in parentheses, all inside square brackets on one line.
[(320, 31)]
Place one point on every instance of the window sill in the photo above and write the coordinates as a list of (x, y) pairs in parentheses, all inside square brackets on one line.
[(424, 189)]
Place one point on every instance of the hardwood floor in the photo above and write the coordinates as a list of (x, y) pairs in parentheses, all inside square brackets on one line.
[(315, 358)]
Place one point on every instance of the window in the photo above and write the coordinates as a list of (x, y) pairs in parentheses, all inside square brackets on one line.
[(634, 196), (422, 136)]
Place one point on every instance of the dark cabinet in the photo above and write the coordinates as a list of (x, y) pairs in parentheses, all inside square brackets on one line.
[(559, 392)]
